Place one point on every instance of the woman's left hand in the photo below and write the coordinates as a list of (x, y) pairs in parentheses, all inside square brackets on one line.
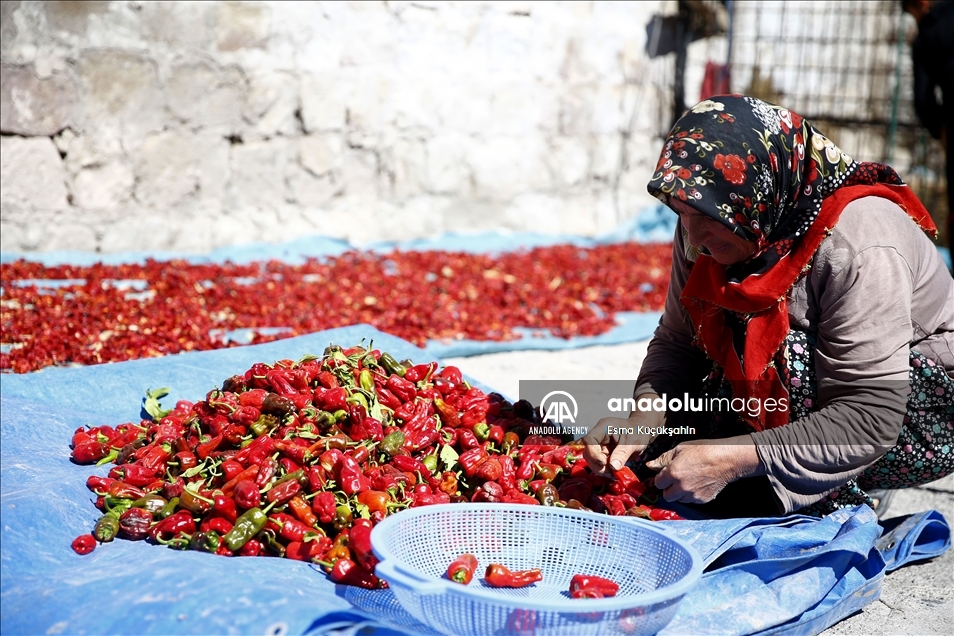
[(697, 471)]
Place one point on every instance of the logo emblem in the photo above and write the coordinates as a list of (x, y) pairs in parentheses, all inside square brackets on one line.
[(555, 406)]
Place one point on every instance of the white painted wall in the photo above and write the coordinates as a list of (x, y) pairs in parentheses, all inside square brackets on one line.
[(189, 126)]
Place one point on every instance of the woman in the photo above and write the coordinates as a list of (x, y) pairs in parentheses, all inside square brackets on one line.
[(804, 294)]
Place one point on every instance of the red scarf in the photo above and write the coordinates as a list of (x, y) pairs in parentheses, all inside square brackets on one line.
[(763, 298)]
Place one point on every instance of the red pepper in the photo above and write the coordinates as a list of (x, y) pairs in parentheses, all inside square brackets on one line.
[(134, 474), (302, 511), (452, 374), (461, 570), (516, 496), (490, 470), (448, 413), (661, 514), (122, 490), (324, 506), (471, 459), (253, 398), (349, 477), (291, 529), (420, 372), (359, 539), (306, 550), (497, 575), (225, 507), (252, 548), (489, 491), (89, 453), (467, 439), (134, 524), (348, 572), (387, 398), (328, 380), (177, 524), (217, 524), (247, 495), (334, 399), (99, 485), (283, 491), (581, 582), (402, 388), (426, 499), (84, 544)]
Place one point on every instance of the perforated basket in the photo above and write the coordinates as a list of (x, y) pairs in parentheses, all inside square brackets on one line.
[(654, 570)]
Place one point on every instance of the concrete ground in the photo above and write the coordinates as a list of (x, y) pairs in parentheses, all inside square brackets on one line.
[(917, 599)]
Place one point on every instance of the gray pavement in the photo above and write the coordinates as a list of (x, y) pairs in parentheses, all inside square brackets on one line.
[(916, 599)]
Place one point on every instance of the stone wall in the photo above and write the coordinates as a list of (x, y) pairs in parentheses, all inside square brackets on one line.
[(192, 125)]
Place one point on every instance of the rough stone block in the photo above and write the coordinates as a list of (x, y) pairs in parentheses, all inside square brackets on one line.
[(360, 173), (120, 94), (323, 102), (408, 167), (258, 171), (569, 160), (504, 167), (31, 106), (106, 186), (447, 170), (177, 25), (72, 17), (241, 25), (164, 171), (272, 104), (605, 164), (32, 177), (206, 96), (149, 230), (308, 190), (321, 154)]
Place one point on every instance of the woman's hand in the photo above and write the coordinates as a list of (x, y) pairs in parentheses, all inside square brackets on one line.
[(604, 444), (697, 471)]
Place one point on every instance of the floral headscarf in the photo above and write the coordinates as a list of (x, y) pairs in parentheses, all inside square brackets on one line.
[(768, 175)]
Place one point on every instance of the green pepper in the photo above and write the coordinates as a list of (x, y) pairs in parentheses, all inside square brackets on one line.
[(106, 528), (153, 504), (482, 431), (358, 398), (246, 527), (343, 517), (548, 494), (273, 544), (430, 462), (117, 505), (263, 424), (366, 380), (391, 365), (392, 442), (206, 541), (169, 508)]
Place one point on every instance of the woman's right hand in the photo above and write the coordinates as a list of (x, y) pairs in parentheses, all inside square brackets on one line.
[(607, 443)]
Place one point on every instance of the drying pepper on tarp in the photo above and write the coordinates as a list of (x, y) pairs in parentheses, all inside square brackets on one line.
[(461, 570)]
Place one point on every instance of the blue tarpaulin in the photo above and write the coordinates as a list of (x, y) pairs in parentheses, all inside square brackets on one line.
[(793, 574)]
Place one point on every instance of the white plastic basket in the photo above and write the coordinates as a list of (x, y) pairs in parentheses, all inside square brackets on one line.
[(653, 569)]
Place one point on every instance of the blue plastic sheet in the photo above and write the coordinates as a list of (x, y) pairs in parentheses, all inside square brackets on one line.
[(767, 575)]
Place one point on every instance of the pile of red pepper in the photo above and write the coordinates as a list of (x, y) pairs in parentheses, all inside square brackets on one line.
[(301, 459), (176, 306)]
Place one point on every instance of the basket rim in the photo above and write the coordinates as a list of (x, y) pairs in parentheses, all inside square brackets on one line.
[(672, 592)]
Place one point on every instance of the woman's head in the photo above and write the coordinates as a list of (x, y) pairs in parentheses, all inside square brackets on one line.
[(757, 170)]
